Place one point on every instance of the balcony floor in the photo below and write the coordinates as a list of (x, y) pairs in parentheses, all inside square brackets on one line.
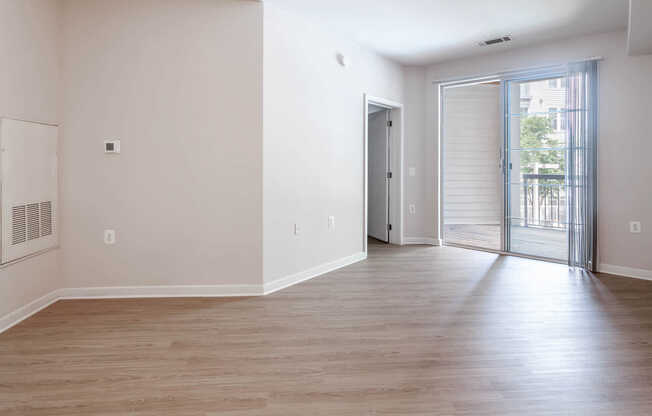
[(542, 242)]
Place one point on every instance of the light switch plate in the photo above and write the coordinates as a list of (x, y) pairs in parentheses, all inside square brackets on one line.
[(412, 171), (635, 227), (331, 222)]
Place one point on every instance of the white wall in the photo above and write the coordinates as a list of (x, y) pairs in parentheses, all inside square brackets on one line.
[(191, 197), (180, 84), (639, 30), (313, 141), (625, 171), (417, 193), (29, 82), (29, 41)]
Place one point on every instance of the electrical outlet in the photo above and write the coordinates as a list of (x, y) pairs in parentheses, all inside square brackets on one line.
[(331, 222), (297, 229), (112, 146), (635, 227), (109, 237), (412, 209)]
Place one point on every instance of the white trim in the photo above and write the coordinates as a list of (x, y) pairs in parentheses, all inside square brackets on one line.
[(625, 271), (207, 291), (28, 256), (422, 240), (383, 102), (24, 312), (302, 276), (44, 123), (117, 292), (510, 72), (396, 195)]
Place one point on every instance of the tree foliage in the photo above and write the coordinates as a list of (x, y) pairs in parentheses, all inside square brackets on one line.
[(536, 133)]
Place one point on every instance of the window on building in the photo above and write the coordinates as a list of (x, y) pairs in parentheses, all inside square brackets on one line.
[(553, 115)]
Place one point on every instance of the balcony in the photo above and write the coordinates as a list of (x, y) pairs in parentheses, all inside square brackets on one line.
[(544, 204), (538, 228)]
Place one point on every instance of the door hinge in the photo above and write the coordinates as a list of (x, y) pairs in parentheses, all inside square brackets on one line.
[(389, 227), (389, 123), (389, 175)]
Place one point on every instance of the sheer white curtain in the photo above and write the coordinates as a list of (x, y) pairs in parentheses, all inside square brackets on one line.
[(581, 165)]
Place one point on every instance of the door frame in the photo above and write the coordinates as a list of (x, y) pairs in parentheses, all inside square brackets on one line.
[(395, 164), (440, 206), (540, 73), (506, 81), (383, 114)]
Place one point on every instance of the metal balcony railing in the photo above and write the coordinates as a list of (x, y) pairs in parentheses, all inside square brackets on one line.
[(544, 201)]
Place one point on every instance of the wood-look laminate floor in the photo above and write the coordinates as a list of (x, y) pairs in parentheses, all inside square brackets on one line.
[(410, 331)]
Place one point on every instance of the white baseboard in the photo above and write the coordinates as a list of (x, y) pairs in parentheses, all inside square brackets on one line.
[(24, 312), (625, 271), (210, 291), (293, 279), (422, 240)]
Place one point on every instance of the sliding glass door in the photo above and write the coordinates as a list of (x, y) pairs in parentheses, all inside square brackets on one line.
[(535, 170), (520, 177), (521, 208), (472, 198)]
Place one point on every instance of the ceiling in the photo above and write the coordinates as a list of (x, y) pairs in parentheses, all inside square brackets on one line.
[(417, 32)]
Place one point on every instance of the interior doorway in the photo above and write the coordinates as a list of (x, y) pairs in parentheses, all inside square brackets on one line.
[(383, 170), (379, 173)]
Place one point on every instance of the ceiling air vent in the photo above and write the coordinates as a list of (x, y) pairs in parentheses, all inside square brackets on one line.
[(496, 41)]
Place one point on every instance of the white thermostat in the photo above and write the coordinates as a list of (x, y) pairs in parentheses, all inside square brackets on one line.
[(111, 146)]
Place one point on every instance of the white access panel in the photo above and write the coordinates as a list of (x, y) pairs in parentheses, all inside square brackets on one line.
[(29, 187)]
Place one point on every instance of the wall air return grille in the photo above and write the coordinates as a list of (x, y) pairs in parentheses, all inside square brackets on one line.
[(18, 225), (46, 218), (28, 166), (31, 221), (33, 228)]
